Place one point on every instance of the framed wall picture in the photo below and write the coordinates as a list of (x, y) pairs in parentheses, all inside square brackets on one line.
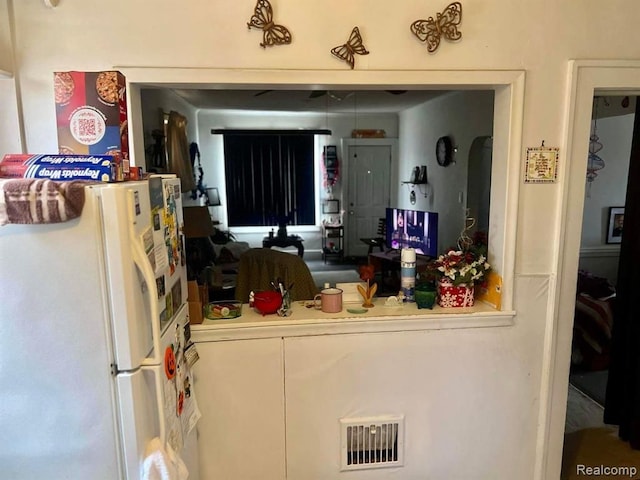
[(330, 151), (330, 156), (331, 206), (541, 165), (616, 220)]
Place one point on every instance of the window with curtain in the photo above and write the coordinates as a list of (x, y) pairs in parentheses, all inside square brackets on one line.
[(269, 177)]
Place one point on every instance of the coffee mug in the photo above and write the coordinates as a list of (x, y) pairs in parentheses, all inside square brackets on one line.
[(329, 300)]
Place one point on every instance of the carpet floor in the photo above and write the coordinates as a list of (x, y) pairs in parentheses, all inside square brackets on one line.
[(332, 273)]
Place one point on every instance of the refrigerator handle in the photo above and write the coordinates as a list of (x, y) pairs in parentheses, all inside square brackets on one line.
[(142, 262), (160, 401)]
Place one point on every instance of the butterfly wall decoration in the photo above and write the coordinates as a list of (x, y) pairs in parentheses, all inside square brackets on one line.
[(445, 25), (353, 46), (272, 33)]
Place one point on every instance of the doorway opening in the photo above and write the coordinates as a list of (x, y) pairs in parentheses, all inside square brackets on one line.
[(610, 139), (588, 79)]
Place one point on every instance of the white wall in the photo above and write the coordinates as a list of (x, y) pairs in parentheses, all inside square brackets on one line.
[(156, 102), (607, 190), (10, 137), (497, 35), (340, 125), (610, 186), (463, 116), (212, 151), (6, 42)]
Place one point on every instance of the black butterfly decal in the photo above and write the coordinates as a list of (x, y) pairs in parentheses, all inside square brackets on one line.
[(445, 25), (354, 45), (272, 34)]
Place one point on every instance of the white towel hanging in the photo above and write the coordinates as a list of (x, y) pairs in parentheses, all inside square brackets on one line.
[(162, 464)]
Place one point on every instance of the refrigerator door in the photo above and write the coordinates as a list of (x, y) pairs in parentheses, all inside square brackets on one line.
[(146, 275), (153, 401), (170, 260), (132, 291)]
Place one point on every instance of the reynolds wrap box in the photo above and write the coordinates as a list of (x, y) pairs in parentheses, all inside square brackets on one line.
[(91, 114), (100, 168)]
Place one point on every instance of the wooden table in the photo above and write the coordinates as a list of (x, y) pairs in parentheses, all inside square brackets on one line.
[(283, 242)]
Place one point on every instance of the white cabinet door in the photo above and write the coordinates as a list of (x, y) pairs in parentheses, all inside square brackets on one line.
[(240, 392)]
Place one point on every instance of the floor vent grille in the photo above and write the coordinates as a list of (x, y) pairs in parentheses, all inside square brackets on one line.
[(372, 442)]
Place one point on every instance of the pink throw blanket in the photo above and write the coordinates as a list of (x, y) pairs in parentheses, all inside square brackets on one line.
[(29, 201)]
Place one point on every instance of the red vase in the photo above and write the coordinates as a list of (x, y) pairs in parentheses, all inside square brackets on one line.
[(450, 295)]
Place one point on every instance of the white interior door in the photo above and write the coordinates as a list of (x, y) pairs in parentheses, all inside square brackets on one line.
[(368, 193)]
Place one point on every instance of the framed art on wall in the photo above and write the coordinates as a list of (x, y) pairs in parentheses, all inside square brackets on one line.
[(541, 165), (331, 206), (616, 220)]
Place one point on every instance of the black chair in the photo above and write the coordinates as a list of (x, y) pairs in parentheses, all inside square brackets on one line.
[(380, 240)]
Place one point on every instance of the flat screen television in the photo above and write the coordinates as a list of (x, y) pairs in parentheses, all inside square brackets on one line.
[(412, 229)]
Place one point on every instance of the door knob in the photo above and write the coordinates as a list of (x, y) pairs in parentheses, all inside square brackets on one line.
[(351, 212)]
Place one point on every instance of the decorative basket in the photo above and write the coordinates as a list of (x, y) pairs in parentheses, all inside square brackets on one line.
[(450, 295)]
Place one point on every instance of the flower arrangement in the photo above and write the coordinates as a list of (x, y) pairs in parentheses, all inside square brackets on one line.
[(462, 267), (367, 273)]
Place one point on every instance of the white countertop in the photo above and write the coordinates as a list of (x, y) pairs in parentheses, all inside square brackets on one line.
[(305, 321)]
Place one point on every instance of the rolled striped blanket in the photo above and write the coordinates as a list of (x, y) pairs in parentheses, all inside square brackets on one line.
[(32, 201)]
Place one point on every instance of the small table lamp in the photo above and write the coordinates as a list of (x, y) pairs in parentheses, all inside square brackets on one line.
[(197, 222), (213, 200), (213, 197)]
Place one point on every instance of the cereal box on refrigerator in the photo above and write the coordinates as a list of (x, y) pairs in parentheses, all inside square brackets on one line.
[(91, 113)]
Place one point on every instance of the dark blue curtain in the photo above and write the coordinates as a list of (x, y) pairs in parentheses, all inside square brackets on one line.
[(269, 177)]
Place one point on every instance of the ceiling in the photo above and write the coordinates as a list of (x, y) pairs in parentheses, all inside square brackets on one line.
[(321, 101), (341, 100)]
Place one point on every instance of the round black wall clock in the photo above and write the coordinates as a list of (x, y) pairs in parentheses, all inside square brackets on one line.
[(444, 151)]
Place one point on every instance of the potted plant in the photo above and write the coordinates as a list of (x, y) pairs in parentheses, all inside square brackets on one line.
[(458, 271)]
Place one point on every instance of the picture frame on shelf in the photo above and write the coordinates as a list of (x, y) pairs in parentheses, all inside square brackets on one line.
[(331, 206), (331, 151), (615, 224), (330, 156)]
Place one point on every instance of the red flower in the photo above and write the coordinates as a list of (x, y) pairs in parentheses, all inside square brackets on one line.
[(367, 272)]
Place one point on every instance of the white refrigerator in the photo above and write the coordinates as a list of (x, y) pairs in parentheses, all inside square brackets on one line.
[(94, 336)]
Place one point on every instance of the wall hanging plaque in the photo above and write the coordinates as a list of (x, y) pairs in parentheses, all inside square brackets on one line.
[(272, 34), (445, 25), (353, 46), (542, 165)]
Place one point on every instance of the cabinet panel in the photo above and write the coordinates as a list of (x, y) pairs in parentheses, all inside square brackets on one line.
[(240, 391)]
